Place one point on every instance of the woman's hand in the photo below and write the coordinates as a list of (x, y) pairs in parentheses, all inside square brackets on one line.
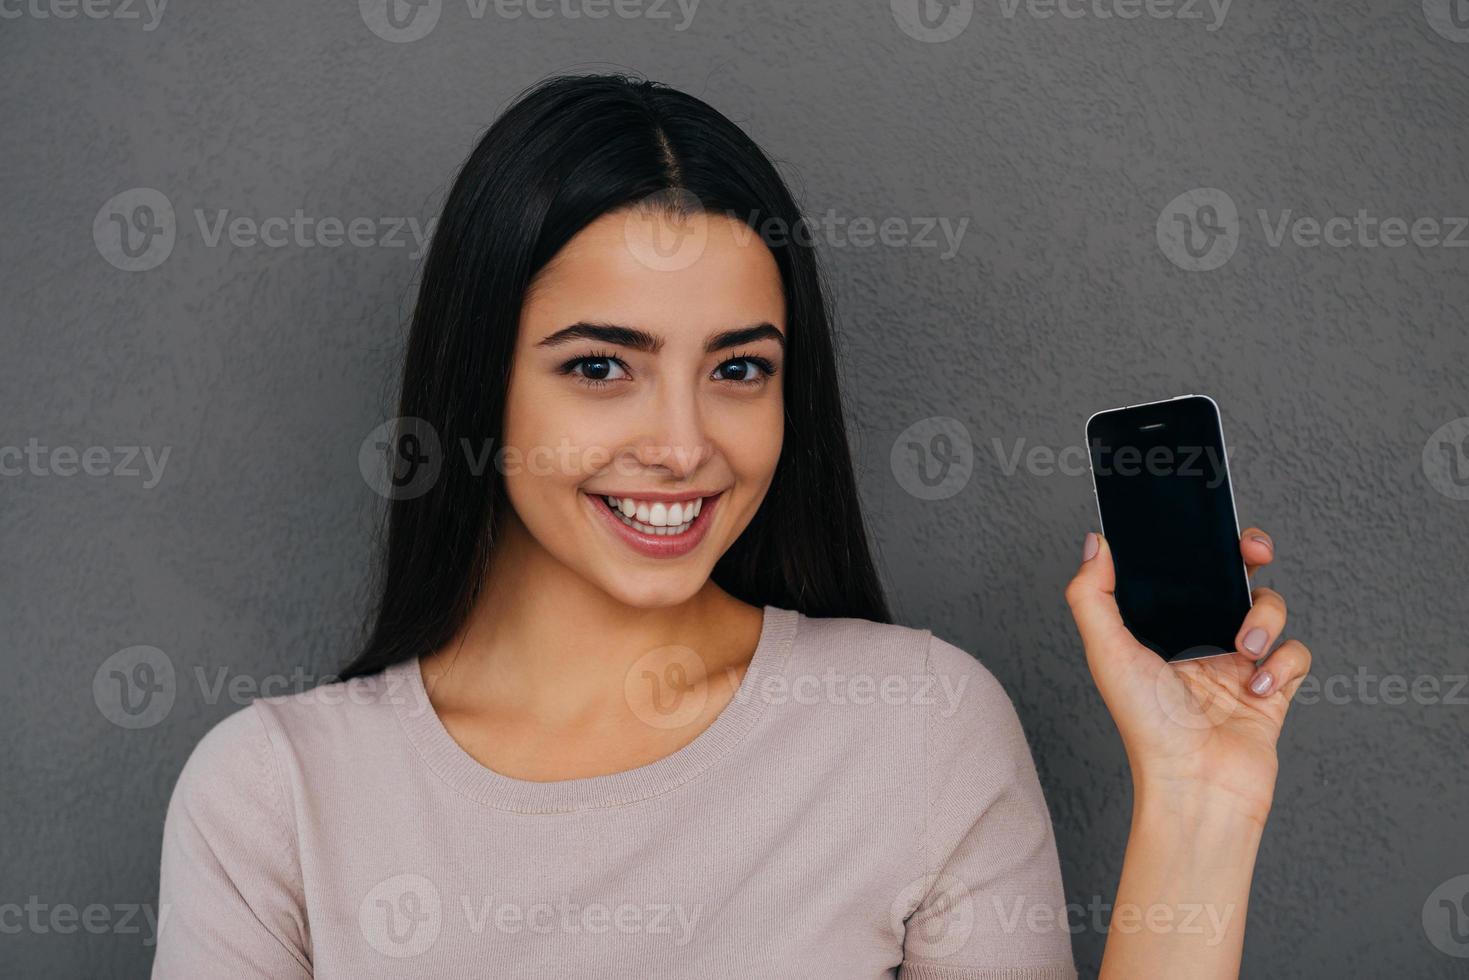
[(1200, 727)]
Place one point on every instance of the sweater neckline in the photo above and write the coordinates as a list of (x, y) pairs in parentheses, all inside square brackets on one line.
[(485, 786)]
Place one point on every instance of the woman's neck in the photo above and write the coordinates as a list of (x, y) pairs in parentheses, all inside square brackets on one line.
[(546, 644)]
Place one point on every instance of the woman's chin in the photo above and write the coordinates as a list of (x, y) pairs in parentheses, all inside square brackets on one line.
[(655, 589)]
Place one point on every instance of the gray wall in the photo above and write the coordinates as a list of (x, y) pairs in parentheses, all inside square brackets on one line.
[(1062, 144)]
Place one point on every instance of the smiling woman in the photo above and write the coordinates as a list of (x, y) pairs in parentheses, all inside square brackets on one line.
[(641, 671), (591, 294)]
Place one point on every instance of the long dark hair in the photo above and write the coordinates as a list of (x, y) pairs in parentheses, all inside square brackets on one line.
[(568, 151)]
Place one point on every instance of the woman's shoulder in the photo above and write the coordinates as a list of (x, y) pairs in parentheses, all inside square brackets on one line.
[(912, 685), (894, 650), (343, 711), (227, 790), (247, 748), (234, 752)]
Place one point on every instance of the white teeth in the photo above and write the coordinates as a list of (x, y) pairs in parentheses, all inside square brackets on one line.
[(656, 518)]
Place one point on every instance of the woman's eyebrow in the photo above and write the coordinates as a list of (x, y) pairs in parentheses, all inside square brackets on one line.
[(744, 335), (641, 340), (608, 333)]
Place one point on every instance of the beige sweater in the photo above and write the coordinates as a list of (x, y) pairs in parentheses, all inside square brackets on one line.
[(866, 806)]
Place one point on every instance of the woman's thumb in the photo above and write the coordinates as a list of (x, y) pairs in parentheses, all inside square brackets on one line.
[(1089, 593)]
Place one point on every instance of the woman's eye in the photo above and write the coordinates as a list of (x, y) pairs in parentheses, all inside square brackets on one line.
[(598, 370), (744, 370)]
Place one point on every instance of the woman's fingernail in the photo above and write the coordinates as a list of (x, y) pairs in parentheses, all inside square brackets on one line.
[(1263, 540), (1254, 641), (1262, 682), (1092, 545)]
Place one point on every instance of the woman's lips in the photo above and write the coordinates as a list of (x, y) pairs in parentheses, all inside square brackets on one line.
[(656, 545)]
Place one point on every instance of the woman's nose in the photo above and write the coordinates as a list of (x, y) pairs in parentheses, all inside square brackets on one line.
[(676, 440)]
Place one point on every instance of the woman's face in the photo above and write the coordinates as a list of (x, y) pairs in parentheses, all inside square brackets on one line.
[(647, 371)]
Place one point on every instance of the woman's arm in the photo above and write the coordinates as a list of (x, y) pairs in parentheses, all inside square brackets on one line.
[(990, 904), (1200, 739), (230, 893), (1180, 908)]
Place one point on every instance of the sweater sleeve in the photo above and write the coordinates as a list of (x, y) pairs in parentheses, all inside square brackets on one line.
[(990, 903), (230, 895)]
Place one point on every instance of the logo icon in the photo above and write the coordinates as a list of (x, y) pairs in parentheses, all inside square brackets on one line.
[(1446, 917), (933, 21), (666, 231), (401, 458), (941, 927), (933, 458), (135, 687), (1449, 18), (135, 230), (1446, 459), (1199, 229), (400, 21), (662, 687), (401, 916), (1185, 708)]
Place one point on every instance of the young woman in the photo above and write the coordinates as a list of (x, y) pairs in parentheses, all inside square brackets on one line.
[(631, 704)]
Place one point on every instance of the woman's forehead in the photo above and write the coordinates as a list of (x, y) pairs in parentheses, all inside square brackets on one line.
[(680, 275)]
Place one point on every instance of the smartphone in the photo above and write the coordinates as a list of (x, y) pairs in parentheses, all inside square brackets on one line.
[(1166, 506)]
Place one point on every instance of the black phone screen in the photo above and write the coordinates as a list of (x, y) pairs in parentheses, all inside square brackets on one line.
[(1167, 510)]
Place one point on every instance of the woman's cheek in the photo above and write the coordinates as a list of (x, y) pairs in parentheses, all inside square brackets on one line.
[(754, 435), (560, 447)]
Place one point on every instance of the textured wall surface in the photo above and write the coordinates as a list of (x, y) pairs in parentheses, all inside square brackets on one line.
[(1087, 205)]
